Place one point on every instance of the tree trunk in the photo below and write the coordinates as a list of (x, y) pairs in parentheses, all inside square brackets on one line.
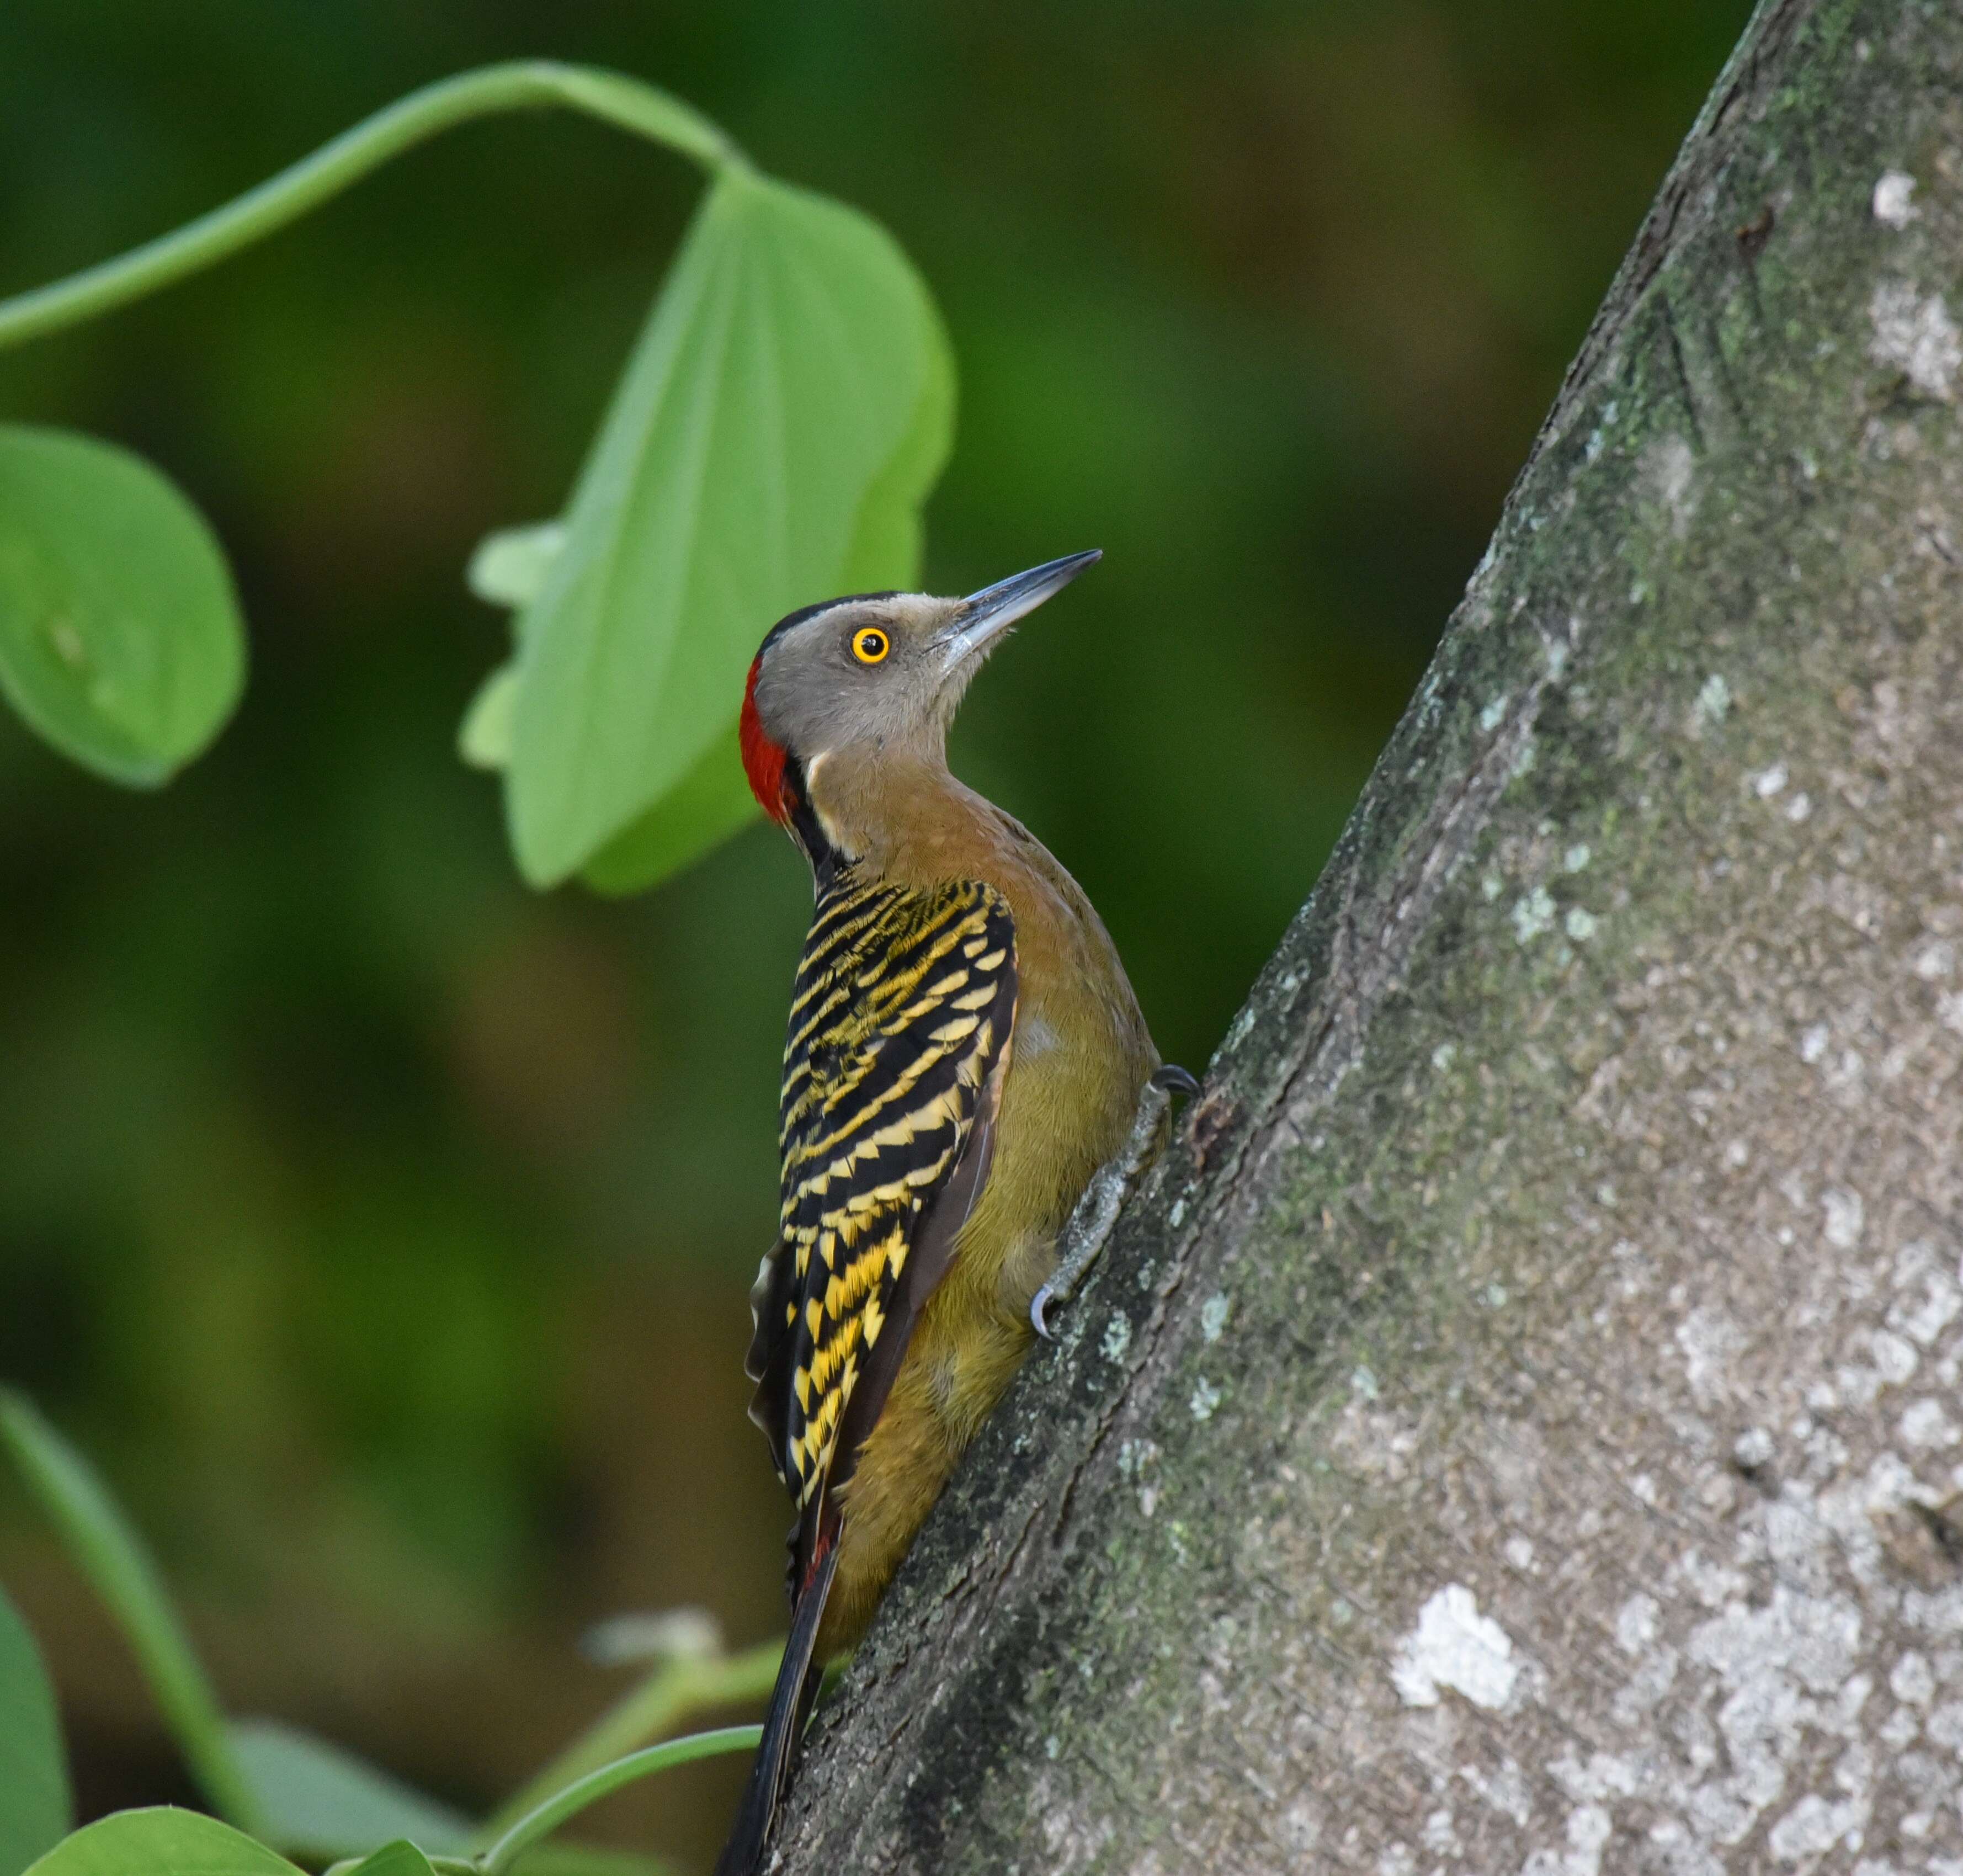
[(1517, 1428)]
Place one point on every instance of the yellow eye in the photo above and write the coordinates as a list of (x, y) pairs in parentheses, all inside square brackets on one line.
[(869, 644)]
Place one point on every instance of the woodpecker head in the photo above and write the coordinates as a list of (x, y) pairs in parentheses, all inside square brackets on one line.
[(879, 671)]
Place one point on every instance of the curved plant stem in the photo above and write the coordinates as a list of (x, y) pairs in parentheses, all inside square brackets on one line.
[(596, 1785), (521, 85), (681, 1686)]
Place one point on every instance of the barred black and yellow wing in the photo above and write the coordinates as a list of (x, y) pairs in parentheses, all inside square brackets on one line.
[(899, 1033)]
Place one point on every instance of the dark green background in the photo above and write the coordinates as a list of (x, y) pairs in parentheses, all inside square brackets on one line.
[(385, 1229)]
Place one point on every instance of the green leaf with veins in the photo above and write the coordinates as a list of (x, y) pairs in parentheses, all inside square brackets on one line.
[(778, 426)]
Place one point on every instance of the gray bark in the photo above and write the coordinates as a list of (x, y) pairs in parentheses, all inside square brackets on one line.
[(1517, 1428)]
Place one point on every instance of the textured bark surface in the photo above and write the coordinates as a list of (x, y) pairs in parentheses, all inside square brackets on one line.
[(1519, 1427)]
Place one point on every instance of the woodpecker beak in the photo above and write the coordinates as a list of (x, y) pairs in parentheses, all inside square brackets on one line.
[(985, 615)]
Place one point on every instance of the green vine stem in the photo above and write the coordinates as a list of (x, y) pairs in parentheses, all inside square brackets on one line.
[(682, 1684), (522, 84), (547, 1818)]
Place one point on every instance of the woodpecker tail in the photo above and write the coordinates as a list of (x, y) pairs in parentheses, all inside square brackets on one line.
[(790, 1701)]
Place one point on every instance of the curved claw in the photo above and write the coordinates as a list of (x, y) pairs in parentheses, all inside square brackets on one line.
[(1098, 1207), (1038, 1303)]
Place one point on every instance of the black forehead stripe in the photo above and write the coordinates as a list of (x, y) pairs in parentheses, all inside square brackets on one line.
[(803, 613)]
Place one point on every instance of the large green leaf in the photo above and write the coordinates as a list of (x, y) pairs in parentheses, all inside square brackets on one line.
[(116, 1561), (35, 1810), (710, 803), (316, 1798), (777, 427), (120, 635), (162, 1841)]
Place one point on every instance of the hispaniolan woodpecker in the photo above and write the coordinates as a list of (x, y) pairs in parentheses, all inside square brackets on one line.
[(963, 1054)]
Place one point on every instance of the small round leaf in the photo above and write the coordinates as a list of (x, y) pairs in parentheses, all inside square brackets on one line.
[(121, 640)]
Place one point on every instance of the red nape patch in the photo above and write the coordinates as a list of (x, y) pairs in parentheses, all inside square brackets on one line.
[(763, 759)]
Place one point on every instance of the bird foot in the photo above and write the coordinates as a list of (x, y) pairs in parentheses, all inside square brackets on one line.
[(1091, 1223)]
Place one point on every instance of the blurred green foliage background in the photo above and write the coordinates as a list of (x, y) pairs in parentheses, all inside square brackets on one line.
[(384, 1229)]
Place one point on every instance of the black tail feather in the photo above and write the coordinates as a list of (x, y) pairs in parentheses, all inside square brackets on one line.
[(790, 1701)]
